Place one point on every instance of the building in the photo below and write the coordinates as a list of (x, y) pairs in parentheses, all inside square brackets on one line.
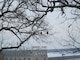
[(1, 56), (74, 57), (25, 55)]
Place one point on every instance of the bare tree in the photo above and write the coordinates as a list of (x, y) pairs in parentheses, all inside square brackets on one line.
[(20, 18), (25, 18), (63, 5), (74, 36)]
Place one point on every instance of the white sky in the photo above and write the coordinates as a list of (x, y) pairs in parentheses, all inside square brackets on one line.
[(54, 19), (55, 22)]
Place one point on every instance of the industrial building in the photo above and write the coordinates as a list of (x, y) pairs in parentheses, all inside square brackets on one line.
[(23, 55)]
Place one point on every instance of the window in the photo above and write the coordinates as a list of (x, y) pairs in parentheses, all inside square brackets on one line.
[(44, 58), (19, 58), (36, 58), (10, 58), (24, 59), (6, 58), (28, 58), (15, 59)]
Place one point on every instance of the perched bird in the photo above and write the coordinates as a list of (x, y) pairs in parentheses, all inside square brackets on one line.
[(47, 32), (41, 33)]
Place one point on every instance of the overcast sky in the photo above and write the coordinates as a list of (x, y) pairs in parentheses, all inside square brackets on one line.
[(56, 22), (54, 19)]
